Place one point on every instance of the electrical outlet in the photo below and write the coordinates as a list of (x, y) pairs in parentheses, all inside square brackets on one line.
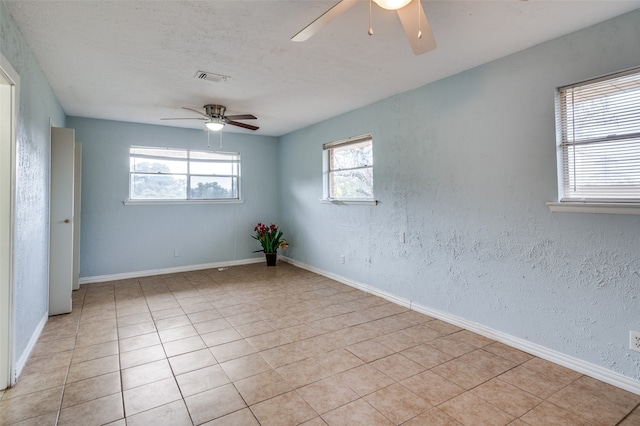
[(402, 237), (176, 252), (342, 258), (634, 340)]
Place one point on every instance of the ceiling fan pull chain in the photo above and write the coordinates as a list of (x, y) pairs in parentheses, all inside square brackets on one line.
[(419, 21), (370, 19)]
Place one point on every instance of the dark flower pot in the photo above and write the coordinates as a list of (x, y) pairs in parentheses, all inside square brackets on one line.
[(271, 258)]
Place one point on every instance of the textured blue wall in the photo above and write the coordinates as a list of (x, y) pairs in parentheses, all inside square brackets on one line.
[(117, 239), (38, 105), (464, 167)]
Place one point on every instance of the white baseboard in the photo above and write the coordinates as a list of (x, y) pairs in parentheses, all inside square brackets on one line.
[(24, 357), (351, 283), (576, 364), (163, 271)]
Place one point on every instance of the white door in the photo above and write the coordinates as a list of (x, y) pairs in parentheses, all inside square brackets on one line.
[(9, 92), (61, 220)]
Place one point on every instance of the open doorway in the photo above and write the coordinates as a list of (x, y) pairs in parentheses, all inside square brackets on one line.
[(9, 91)]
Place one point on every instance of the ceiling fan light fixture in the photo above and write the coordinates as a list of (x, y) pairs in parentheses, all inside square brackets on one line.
[(215, 124), (392, 4)]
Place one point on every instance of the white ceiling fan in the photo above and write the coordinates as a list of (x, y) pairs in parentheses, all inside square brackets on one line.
[(411, 14)]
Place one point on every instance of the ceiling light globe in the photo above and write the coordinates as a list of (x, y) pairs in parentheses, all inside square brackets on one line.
[(392, 4), (214, 125)]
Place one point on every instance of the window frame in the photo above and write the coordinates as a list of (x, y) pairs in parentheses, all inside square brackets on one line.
[(235, 158), (327, 149), (566, 139)]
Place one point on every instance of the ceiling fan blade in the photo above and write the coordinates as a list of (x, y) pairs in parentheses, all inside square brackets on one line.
[(415, 22), (197, 112), (323, 20), (241, 117), (184, 118), (246, 126)]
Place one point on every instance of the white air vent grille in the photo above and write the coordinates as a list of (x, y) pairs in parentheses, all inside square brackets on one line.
[(210, 76)]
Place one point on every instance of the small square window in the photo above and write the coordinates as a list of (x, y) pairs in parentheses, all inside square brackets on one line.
[(348, 169)]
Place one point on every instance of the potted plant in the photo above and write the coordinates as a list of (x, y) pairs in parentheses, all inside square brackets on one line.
[(271, 240)]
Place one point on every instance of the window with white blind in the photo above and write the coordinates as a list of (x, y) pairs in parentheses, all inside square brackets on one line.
[(348, 169), (179, 174), (598, 125)]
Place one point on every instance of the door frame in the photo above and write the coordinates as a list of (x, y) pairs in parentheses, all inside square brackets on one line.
[(7, 215)]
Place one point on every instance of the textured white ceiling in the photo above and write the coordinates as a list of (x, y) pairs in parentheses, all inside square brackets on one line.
[(136, 60)]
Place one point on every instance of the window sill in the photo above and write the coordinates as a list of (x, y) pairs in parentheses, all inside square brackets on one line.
[(169, 202), (350, 202), (604, 208)]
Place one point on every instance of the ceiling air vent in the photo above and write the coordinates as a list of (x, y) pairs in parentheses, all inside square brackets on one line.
[(209, 76)]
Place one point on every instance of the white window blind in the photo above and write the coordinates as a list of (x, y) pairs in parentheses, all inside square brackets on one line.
[(600, 139)]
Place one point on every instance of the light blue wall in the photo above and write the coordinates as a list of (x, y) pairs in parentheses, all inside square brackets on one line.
[(118, 239), (37, 105), (464, 166)]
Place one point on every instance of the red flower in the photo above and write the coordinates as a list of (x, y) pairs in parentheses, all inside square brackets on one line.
[(270, 237)]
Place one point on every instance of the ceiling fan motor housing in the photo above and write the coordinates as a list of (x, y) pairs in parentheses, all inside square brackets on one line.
[(214, 110)]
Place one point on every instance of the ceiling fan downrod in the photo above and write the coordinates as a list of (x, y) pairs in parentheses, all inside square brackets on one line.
[(370, 18), (419, 23)]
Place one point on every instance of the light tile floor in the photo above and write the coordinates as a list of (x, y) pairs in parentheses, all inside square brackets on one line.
[(252, 345)]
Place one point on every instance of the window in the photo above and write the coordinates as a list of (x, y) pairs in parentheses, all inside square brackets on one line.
[(348, 169), (178, 174), (599, 140)]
